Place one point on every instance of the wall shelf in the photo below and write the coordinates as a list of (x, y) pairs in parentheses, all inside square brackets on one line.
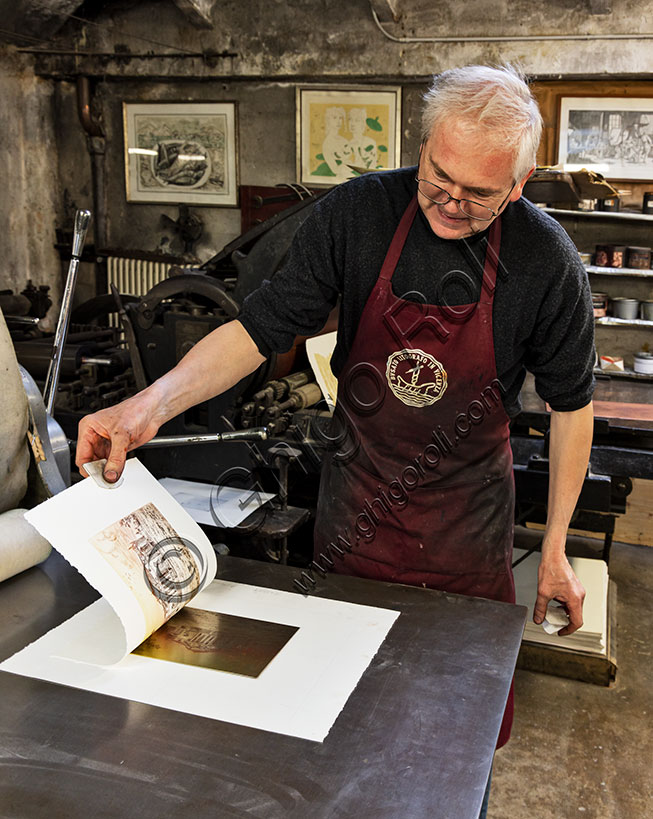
[(620, 271), (611, 321), (630, 374), (601, 214)]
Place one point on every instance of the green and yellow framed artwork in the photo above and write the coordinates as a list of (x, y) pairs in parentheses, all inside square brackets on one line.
[(345, 131)]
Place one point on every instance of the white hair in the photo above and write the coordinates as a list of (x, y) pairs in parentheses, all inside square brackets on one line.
[(494, 102)]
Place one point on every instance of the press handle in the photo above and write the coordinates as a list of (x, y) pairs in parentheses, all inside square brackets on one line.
[(82, 220)]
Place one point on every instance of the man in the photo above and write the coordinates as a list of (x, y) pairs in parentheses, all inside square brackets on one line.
[(451, 286)]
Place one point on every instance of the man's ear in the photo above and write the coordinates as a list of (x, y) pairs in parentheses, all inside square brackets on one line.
[(519, 187)]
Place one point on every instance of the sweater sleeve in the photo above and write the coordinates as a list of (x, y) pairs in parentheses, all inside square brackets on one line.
[(561, 351), (297, 299)]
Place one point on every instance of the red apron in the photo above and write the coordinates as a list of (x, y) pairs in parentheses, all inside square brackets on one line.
[(418, 488)]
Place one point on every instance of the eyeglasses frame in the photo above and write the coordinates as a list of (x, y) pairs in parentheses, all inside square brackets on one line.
[(451, 198)]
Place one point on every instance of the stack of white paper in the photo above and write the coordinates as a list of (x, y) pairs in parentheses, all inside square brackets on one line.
[(593, 574)]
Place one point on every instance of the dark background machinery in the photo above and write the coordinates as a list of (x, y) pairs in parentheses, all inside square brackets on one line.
[(119, 343)]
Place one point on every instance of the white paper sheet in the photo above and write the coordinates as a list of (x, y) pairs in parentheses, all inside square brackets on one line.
[(223, 506), (556, 618), (136, 545), (319, 350), (300, 693), (148, 558)]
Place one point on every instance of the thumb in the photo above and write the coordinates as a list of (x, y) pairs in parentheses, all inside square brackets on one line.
[(117, 456), (539, 612)]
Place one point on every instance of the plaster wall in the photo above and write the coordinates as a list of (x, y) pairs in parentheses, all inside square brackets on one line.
[(268, 49), (29, 178), (313, 38), (266, 137)]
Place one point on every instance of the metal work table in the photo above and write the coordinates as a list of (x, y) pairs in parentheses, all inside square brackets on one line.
[(415, 738)]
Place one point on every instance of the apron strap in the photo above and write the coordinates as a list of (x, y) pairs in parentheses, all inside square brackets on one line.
[(398, 241), (492, 254), (492, 261)]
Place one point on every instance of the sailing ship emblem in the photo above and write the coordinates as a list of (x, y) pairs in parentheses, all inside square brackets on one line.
[(416, 378)]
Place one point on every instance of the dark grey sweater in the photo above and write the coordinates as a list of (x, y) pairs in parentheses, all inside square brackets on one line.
[(542, 313)]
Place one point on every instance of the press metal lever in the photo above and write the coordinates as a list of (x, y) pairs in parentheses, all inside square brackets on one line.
[(254, 434), (82, 219)]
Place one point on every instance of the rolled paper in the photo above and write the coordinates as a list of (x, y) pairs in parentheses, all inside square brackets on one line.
[(14, 453), (21, 546)]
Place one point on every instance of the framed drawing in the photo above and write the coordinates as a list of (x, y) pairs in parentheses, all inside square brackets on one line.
[(611, 135), (345, 131), (181, 153)]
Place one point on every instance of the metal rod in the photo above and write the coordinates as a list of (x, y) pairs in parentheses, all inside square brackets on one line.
[(106, 362), (24, 320), (256, 433), (511, 38), (128, 55), (260, 201), (82, 219)]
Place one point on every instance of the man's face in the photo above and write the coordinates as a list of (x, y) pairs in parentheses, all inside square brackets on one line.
[(461, 164)]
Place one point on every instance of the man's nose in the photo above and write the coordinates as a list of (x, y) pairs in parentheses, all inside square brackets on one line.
[(451, 207)]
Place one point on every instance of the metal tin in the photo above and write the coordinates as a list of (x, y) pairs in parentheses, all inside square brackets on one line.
[(638, 257), (609, 255), (611, 204), (601, 256), (625, 308), (644, 363), (600, 304), (646, 308), (647, 205)]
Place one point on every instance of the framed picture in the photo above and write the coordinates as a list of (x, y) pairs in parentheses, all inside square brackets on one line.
[(611, 135), (345, 131), (181, 153)]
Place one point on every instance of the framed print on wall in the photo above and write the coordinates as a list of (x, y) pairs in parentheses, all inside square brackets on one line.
[(611, 135), (181, 153), (345, 131)]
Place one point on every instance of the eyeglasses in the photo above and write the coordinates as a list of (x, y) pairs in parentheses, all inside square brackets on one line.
[(474, 210)]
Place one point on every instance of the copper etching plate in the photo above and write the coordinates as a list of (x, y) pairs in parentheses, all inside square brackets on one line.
[(225, 642)]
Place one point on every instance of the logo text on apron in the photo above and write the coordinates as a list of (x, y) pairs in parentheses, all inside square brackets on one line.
[(416, 378)]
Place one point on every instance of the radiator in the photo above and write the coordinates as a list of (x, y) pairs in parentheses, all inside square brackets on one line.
[(134, 277)]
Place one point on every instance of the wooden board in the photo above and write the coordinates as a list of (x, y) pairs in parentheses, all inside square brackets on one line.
[(624, 412), (636, 526)]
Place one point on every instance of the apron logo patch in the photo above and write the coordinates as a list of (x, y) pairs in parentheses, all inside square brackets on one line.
[(416, 378)]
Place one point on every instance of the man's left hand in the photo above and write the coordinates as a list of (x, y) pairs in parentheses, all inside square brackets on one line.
[(556, 581)]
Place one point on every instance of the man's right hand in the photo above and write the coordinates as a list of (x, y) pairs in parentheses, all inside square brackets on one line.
[(111, 433)]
